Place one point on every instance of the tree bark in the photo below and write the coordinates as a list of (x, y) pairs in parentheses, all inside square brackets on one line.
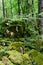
[(39, 4), (3, 8), (11, 9), (27, 6), (41, 10), (32, 7), (18, 7)]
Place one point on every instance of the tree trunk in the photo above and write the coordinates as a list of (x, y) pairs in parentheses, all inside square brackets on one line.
[(41, 10), (19, 7), (3, 8), (39, 4), (11, 8), (27, 6), (32, 7)]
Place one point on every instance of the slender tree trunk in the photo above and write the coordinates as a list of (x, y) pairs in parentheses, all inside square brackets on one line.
[(39, 4), (41, 10), (27, 7), (3, 8), (19, 7), (11, 8), (22, 7), (39, 22), (32, 7)]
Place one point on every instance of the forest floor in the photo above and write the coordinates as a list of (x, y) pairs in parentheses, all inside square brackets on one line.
[(20, 52)]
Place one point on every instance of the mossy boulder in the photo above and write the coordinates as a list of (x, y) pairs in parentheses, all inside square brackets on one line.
[(16, 46), (26, 59), (22, 39), (1, 63), (6, 61), (36, 56), (26, 56), (15, 57), (1, 47), (19, 58)]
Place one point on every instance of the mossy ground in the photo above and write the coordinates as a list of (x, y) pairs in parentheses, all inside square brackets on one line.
[(16, 53), (25, 50)]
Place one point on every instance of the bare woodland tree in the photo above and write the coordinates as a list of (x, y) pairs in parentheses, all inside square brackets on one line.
[(41, 10), (3, 8), (19, 7), (11, 8), (27, 6)]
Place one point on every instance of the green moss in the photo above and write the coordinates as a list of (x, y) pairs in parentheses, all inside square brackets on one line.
[(22, 39), (26, 56), (1, 63), (16, 46), (26, 59), (6, 61), (18, 58), (37, 57), (15, 57), (1, 47)]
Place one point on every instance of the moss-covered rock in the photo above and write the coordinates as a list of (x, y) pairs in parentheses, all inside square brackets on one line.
[(18, 58), (6, 61), (1, 47), (26, 56), (37, 57), (26, 59), (16, 46), (1, 63), (22, 39), (15, 57)]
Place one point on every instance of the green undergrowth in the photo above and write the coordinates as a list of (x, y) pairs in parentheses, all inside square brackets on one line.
[(20, 53), (24, 47)]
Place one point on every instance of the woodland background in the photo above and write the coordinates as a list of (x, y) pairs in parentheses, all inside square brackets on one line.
[(21, 32)]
